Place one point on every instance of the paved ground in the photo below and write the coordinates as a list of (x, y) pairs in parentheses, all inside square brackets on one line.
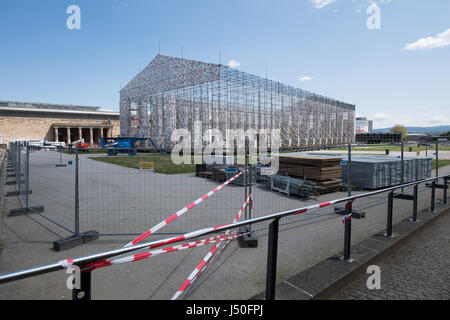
[(305, 240), (419, 269)]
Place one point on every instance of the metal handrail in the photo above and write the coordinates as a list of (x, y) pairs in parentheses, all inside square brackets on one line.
[(80, 261)]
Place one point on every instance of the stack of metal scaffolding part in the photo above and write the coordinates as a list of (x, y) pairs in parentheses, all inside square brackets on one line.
[(292, 186), (374, 172)]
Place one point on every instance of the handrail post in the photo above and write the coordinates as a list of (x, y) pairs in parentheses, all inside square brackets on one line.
[(415, 200), (445, 189), (389, 214), (272, 251), (347, 238), (84, 293)]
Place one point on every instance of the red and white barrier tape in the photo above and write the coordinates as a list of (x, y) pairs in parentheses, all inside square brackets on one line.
[(181, 212), (68, 262), (204, 263), (189, 245)]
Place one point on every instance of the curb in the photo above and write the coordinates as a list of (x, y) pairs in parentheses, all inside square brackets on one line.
[(329, 276)]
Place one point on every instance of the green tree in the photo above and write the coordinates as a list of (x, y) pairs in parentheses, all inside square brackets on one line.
[(400, 129)]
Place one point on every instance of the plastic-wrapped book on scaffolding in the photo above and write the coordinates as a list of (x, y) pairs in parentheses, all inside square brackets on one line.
[(174, 93)]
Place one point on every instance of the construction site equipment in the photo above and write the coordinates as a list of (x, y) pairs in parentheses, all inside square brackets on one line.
[(80, 145), (127, 145), (120, 145)]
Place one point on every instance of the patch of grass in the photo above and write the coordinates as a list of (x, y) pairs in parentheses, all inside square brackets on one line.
[(81, 152), (162, 163), (442, 163)]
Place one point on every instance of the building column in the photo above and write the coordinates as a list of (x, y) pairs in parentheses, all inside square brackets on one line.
[(80, 134), (69, 141), (56, 134), (91, 136)]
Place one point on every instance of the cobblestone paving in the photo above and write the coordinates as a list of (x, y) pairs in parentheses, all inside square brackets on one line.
[(418, 270)]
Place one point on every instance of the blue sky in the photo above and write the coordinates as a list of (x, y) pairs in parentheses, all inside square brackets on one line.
[(397, 74)]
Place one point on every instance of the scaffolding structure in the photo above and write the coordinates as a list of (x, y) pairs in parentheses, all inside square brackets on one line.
[(173, 93)]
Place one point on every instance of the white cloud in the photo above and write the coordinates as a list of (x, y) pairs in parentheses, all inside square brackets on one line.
[(381, 117), (420, 107), (441, 40), (439, 120), (318, 4), (233, 64), (306, 78)]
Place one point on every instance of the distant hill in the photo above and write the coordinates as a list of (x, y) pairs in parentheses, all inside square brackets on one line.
[(431, 130)]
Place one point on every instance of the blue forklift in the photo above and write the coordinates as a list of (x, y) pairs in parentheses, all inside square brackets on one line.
[(124, 145)]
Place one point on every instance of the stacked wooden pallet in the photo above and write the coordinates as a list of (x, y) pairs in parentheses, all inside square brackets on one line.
[(219, 174), (206, 174), (325, 171)]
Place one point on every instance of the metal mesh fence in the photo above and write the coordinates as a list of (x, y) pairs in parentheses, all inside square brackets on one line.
[(119, 195), (116, 195)]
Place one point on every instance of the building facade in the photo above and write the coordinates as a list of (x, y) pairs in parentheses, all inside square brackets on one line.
[(363, 125), (55, 122), (173, 93)]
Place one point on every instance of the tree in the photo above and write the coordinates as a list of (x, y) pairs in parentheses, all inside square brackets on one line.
[(400, 129)]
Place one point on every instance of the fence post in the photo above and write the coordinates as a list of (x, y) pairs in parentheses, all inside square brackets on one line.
[(27, 178), (77, 196), (245, 178), (272, 252), (18, 171), (389, 214), (433, 195), (403, 165), (415, 199), (84, 293), (437, 159), (349, 171), (249, 192)]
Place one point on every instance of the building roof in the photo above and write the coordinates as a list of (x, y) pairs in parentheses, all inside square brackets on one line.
[(165, 73), (52, 108)]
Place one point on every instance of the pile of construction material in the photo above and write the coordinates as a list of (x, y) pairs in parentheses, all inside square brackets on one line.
[(374, 172), (305, 189), (221, 168), (323, 171)]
